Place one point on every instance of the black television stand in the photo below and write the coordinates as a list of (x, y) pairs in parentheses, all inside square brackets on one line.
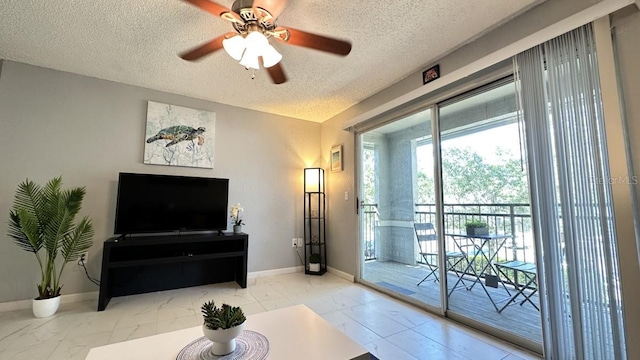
[(162, 262)]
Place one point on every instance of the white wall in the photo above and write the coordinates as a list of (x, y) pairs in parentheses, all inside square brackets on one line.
[(88, 130)]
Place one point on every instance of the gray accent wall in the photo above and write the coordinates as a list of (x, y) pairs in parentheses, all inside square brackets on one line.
[(88, 130)]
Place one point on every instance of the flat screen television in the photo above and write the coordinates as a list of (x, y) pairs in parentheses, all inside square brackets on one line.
[(164, 203)]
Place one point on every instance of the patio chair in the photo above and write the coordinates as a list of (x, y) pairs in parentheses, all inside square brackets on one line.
[(428, 249), (530, 273)]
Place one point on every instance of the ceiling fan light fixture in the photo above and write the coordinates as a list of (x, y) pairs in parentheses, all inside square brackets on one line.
[(255, 22), (270, 56), (234, 46), (250, 59), (257, 42)]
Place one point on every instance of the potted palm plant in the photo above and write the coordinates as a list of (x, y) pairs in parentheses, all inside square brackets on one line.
[(41, 221), (222, 325)]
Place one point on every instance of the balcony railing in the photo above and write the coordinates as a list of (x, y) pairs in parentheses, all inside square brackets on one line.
[(511, 219), (370, 219)]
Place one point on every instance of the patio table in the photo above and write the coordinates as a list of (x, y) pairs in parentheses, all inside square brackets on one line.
[(481, 245)]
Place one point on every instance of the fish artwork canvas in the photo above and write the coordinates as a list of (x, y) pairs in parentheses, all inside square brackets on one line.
[(179, 136)]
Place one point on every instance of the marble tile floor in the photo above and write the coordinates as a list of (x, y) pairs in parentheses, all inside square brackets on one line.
[(388, 328)]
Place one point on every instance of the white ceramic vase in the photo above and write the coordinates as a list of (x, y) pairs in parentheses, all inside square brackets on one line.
[(237, 229), (46, 307), (315, 267), (224, 341)]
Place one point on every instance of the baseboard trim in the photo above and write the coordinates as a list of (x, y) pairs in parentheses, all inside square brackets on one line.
[(93, 295), (71, 298), (274, 272), (295, 269), (341, 274)]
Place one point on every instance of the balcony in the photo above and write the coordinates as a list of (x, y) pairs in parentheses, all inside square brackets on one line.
[(402, 276)]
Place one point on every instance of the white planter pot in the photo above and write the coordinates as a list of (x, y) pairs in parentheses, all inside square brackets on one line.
[(224, 341), (315, 267), (45, 308)]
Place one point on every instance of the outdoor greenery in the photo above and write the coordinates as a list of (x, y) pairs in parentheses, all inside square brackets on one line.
[(475, 224), (224, 317), (369, 173), (475, 181), (468, 178), (41, 222)]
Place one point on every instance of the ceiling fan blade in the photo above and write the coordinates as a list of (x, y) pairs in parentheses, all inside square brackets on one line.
[(276, 72), (274, 7), (212, 8), (206, 48), (313, 41)]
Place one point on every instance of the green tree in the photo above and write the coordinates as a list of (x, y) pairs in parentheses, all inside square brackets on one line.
[(426, 193), (468, 178), (369, 174)]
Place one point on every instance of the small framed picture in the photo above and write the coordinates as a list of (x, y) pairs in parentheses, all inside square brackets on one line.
[(336, 158), (431, 74)]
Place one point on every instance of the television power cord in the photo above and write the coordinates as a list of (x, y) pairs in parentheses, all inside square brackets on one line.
[(82, 263), (298, 252)]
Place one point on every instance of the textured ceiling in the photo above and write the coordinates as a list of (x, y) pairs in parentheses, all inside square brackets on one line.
[(137, 42)]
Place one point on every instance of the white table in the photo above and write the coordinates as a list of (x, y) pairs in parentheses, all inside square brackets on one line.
[(294, 333)]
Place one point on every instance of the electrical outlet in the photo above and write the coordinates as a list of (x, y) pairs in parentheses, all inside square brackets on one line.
[(84, 257), (300, 242), (294, 242)]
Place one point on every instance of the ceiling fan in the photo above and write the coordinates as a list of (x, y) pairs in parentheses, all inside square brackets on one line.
[(255, 22)]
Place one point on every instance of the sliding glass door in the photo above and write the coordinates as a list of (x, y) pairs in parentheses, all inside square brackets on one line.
[(414, 239), (398, 218), (484, 184)]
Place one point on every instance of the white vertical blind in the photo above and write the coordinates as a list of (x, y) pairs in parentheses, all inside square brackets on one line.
[(572, 208)]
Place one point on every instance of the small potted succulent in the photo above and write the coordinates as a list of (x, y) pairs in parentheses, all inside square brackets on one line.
[(314, 262), (222, 325), (476, 227)]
